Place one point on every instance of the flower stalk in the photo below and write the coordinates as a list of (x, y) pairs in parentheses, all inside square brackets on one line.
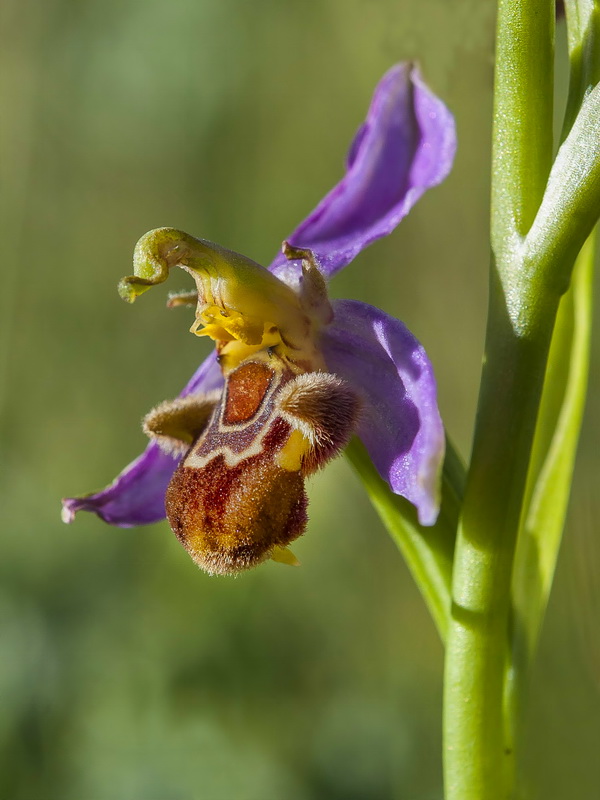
[(541, 216), (565, 387)]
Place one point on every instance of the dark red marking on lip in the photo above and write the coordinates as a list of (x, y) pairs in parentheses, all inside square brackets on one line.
[(246, 389)]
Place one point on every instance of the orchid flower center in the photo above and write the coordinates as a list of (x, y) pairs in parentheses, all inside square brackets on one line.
[(239, 304), (237, 496)]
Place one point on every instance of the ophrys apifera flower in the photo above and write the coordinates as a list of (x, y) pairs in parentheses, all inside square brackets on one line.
[(293, 375)]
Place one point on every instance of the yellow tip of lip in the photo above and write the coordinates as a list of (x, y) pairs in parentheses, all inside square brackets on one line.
[(283, 555)]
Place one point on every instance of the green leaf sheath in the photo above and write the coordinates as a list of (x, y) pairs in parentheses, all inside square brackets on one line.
[(583, 29), (429, 551), (553, 457), (570, 206)]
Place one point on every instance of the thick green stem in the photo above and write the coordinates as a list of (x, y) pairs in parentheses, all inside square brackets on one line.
[(565, 387), (522, 141), (478, 740), (478, 750)]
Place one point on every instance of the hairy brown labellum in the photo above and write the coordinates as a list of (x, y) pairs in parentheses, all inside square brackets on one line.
[(237, 497), (230, 518)]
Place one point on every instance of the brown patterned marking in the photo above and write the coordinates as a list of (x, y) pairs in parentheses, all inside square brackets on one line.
[(230, 518), (246, 389), (327, 409)]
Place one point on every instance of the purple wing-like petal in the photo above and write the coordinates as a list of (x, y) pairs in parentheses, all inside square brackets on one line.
[(405, 146), (137, 495), (400, 426)]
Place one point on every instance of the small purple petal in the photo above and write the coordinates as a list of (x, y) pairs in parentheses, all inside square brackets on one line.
[(400, 426), (405, 146), (137, 495)]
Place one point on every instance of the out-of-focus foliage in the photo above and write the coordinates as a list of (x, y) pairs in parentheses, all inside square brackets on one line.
[(125, 672)]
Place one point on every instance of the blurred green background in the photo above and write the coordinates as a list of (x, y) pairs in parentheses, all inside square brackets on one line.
[(125, 673)]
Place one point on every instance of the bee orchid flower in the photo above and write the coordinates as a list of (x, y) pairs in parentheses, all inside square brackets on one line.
[(293, 375)]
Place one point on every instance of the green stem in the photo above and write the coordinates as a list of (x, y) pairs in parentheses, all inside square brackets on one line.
[(522, 141), (563, 398), (478, 741), (478, 751)]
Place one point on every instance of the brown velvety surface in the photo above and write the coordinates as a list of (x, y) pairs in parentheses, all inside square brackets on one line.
[(230, 518)]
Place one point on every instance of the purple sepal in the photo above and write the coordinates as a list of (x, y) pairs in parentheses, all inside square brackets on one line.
[(405, 146), (400, 424), (137, 495)]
